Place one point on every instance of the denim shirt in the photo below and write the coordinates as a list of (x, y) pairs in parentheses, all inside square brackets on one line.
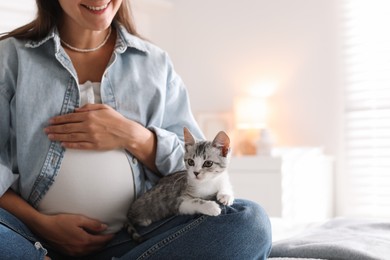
[(38, 81)]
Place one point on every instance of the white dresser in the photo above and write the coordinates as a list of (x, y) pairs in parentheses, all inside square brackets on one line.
[(295, 183), (258, 179)]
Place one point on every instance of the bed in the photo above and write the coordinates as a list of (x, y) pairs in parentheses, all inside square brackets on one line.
[(336, 239)]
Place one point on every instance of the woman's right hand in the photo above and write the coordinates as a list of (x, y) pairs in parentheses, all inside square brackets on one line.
[(74, 235)]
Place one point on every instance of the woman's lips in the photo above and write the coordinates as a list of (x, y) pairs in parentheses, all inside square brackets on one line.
[(97, 9)]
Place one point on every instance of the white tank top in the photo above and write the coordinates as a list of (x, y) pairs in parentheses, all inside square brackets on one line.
[(96, 184)]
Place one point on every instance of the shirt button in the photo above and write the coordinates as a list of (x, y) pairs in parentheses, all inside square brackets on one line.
[(54, 160), (135, 161)]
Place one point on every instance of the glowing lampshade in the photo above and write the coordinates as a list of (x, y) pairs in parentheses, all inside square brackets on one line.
[(250, 112)]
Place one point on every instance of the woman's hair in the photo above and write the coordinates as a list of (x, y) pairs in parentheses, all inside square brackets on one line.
[(49, 15)]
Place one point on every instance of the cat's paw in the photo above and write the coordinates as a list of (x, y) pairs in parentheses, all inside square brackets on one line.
[(145, 222), (225, 199), (211, 208)]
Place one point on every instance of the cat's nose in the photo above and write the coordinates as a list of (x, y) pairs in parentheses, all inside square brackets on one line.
[(196, 174)]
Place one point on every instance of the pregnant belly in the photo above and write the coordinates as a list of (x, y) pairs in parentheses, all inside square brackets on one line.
[(95, 184)]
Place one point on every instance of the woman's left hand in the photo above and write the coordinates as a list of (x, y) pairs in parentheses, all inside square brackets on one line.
[(91, 127)]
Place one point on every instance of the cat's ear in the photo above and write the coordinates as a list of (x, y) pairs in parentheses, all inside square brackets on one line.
[(188, 137), (222, 142)]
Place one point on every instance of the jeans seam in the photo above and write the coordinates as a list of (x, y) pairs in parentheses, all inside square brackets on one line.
[(18, 231), (156, 227), (152, 250)]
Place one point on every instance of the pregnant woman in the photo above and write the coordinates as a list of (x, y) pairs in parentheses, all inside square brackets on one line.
[(92, 116)]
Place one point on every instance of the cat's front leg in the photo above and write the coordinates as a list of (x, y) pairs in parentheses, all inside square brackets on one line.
[(225, 198), (225, 192), (195, 206)]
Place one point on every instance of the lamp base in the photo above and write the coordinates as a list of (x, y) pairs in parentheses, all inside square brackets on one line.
[(245, 141), (265, 143)]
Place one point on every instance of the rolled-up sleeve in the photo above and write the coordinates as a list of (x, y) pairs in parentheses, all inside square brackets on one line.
[(177, 115), (7, 177), (8, 65)]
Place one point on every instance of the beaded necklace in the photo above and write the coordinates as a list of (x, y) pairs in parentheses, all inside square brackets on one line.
[(91, 49)]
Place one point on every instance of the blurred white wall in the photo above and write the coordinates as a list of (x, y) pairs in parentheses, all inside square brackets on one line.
[(15, 13)]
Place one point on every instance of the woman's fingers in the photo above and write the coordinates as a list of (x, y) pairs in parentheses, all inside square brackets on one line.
[(67, 118), (91, 107), (64, 128)]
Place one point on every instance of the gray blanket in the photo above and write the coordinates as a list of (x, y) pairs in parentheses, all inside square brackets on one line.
[(339, 239)]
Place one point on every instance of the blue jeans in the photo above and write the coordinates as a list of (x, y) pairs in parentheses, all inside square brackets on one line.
[(242, 231)]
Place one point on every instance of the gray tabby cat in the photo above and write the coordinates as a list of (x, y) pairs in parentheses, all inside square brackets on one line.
[(188, 192)]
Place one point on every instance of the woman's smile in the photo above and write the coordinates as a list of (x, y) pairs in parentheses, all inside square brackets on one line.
[(97, 9), (95, 15)]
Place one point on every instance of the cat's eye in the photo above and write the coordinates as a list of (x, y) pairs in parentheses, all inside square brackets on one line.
[(207, 164), (191, 162)]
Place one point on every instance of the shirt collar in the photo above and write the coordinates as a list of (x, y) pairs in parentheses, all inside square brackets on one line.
[(125, 40)]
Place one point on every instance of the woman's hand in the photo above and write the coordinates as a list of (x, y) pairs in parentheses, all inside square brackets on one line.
[(100, 127), (91, 127), (74, 235), (71, 234)]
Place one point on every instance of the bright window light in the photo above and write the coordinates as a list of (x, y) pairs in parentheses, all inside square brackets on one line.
[(367, 112)]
